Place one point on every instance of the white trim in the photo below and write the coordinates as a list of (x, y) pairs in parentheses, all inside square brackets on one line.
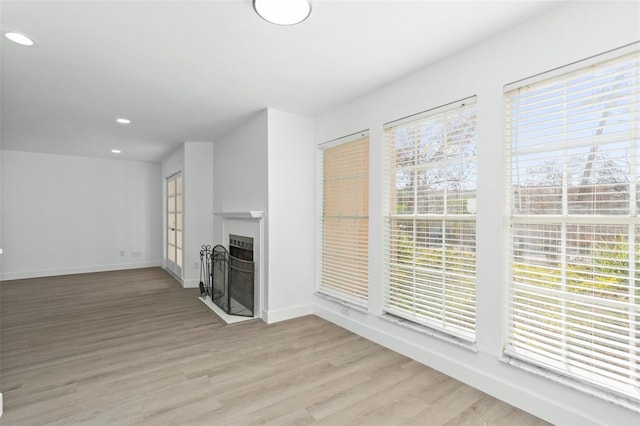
[(79, 270), (360, 307), (178, 246), (251, 214), (191, 283), (173, 275), (429, 331), (278, 315), (572, 383)]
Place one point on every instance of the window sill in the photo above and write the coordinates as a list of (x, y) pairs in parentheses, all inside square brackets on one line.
[(428, 331), (351, 305), (575, 384)]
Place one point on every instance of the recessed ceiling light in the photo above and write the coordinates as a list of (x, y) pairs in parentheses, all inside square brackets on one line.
[(20, 38), (116, 151), (123, 120), (283, 12)]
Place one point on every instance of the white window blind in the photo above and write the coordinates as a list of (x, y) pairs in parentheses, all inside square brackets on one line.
[(573, 144), (430, 226), (344, 232)]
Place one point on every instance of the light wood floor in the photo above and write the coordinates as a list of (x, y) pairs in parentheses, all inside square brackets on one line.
[(132, 347)]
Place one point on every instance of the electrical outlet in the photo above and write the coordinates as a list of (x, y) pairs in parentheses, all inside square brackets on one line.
[(121, 252), (136, 253)]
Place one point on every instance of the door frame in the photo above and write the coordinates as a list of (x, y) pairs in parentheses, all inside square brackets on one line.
[(175, 265)]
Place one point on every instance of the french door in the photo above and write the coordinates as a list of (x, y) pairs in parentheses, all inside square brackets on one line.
[(174, 224)]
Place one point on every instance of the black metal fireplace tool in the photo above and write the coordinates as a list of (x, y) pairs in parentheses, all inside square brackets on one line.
[(205, 272)]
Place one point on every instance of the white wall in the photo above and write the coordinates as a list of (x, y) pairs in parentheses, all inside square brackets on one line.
[(1, 209), (198, 207), (292, 212), (240, 168), (240, 185), (258, 166), (572, 32), (64, 214)]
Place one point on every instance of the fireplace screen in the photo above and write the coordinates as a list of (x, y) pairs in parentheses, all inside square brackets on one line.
[(232, 276)]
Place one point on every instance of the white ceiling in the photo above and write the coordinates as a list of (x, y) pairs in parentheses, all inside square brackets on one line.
[(191, 70)]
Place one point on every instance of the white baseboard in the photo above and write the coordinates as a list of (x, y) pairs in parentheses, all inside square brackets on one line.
[(190, 283), (77, 270), (278, 315)]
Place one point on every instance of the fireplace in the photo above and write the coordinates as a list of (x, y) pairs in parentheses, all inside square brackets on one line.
[(233, 276), (231, 224)]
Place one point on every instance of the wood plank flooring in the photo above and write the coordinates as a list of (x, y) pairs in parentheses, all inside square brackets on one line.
[(133, 347)]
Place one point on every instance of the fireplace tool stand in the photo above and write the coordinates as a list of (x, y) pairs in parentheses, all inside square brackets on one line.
[(205, 272)]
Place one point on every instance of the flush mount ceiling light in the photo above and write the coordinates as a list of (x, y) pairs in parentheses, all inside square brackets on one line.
[(283, 12), (20, 38), (123, 120), (116, 151)]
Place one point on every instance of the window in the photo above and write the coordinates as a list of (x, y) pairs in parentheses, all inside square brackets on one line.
[(573, 143), (430, 224), (344, 235)]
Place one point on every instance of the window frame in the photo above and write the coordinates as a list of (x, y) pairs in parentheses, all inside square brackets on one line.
[(454, 323), (567, 219)]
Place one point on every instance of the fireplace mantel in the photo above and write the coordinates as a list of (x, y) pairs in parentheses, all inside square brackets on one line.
[(251, 214)]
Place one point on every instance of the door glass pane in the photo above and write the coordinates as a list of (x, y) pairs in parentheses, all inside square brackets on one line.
[(179, 257)]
